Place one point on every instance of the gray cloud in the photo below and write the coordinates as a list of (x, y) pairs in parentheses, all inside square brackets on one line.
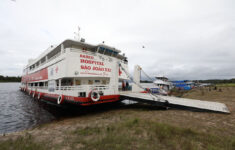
[(183, 39)]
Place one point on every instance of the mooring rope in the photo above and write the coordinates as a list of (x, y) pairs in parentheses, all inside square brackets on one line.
[(140, 86)]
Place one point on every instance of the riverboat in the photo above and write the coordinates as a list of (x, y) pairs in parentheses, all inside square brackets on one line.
[(76, 72)]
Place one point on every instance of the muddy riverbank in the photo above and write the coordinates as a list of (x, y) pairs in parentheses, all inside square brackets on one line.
[(136, 127)]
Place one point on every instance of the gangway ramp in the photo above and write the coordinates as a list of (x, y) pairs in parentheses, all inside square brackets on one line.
[(175, 102)]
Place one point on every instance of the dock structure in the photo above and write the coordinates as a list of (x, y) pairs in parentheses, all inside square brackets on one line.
[(168, 101), (175, 102)]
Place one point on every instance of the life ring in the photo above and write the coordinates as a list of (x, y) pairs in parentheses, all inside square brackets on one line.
[(95, 96), (60, 99), (39, 96)]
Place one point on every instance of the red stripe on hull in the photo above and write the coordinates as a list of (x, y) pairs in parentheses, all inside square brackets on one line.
[(84, 101)]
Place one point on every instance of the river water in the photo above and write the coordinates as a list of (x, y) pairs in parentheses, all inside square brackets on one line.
[(19, 111)]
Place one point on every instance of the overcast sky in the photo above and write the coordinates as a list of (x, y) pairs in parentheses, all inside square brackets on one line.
[(183, 39)]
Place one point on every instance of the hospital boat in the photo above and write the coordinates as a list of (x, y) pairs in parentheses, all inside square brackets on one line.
[(75, 72)]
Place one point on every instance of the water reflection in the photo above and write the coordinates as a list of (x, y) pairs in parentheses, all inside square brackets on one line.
[(19, 111)]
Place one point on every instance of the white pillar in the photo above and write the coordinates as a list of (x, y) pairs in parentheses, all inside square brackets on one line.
[(136, 78), (59, 83)]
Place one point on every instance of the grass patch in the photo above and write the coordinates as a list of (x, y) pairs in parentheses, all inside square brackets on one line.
[(22, 143), (87, 131), (126, 134), (144, 134), (226, 85)]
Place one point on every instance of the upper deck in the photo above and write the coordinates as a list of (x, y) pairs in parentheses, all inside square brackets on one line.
[(54, 51)]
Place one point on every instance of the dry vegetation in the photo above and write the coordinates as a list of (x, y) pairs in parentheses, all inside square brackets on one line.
[(137, 127)]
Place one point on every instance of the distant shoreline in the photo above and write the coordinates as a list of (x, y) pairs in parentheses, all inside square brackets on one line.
[(9, 81)]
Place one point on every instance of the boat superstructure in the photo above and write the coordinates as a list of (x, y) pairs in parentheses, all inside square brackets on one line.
[(75, 72)]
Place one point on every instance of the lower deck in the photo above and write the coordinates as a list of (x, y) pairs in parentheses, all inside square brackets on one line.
[(157, 100), (39, 94)]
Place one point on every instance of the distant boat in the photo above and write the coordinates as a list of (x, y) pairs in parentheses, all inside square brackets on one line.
[(163, 83)]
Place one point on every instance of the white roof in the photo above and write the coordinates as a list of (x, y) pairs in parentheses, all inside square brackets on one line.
[(67, 43), (161, 82)]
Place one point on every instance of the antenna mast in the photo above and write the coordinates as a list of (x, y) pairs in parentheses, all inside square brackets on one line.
[(77, 34)]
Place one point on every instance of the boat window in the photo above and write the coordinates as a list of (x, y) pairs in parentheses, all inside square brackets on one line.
[(78, 82), (54, 53), (103, 81), (108, 52), (90, 82), (57, 82), (101, 50), (82, 94), (66, 82), (37, 64), (97, 81), (40, 83), (32, 67), (115, 54), (92, 50), (43, 60)]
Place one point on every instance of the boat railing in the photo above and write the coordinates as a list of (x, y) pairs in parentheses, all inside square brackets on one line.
[(37, 88), (79, 88), (74, 88), (99, 87), (42, 87), (83, 87)]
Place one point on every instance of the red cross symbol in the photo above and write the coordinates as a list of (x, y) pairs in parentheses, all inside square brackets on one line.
[(56, 70), (120, 72)]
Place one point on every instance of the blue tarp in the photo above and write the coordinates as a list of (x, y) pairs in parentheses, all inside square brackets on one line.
[(182, 84)]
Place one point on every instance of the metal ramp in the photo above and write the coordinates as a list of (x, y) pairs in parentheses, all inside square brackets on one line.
[(167, 101), (174, 102)]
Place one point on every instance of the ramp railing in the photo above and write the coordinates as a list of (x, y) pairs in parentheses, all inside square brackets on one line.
[(154, 97)]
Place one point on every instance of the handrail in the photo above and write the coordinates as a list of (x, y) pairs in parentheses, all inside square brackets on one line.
[(83, 87)]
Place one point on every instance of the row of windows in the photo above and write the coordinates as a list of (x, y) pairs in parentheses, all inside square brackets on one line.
[(38, 84), (67, 82), (53, 54), (107, 51)]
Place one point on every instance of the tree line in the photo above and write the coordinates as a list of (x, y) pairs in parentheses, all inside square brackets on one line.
[(217, 81), (10, 79), (213, 81)]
